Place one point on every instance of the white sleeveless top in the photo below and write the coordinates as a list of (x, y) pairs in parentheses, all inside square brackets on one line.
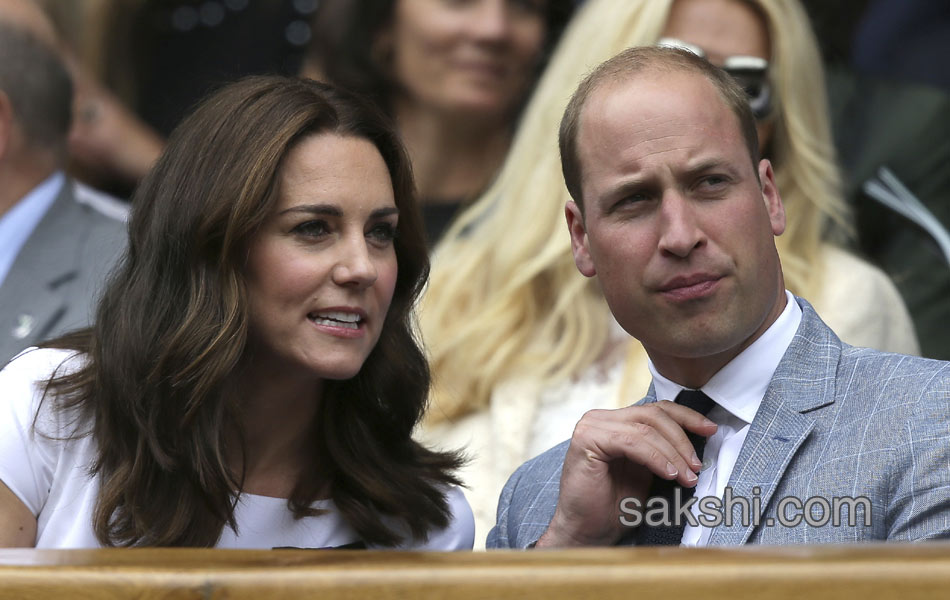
[(51, 478)]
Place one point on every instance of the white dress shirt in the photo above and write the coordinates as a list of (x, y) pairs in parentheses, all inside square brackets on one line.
[(737, 389), (18, 223)]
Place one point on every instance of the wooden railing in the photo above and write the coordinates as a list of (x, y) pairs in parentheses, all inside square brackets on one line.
[(870, 572)]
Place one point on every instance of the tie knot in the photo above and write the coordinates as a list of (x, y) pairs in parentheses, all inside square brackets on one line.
[(696, 400)]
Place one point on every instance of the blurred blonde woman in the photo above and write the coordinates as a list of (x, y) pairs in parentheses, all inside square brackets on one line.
[(521, 345)]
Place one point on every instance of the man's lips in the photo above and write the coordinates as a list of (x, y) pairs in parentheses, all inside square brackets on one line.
[(690, 287)]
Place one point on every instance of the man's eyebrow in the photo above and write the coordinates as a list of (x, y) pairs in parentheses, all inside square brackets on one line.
[(710, 164), (623, 189), (637, 184)]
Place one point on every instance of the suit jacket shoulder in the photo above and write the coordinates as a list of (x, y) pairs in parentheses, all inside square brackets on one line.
[(841, 425), (528, 500), (861, 430), (53, 284)]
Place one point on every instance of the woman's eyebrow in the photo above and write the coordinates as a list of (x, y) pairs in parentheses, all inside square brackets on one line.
[(316, 209), (384, 212), (331, 210)]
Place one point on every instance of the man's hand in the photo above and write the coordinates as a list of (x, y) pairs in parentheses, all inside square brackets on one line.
[(614, 454)]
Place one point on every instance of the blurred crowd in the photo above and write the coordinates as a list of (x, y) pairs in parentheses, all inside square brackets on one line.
[(852, 106)]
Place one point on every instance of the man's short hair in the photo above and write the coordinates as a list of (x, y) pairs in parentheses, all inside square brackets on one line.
[(634, 61), (38, 85)]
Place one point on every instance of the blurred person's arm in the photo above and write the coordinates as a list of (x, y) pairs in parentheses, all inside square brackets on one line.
[(109, 144), (108, 141)]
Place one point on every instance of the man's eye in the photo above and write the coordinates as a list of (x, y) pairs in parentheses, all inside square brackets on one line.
[(382, 232), (635, 198), (311, 228), (713, 180)]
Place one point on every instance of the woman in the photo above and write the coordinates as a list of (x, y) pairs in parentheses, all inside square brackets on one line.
[(505, 294), (453, 74), (253, 378)]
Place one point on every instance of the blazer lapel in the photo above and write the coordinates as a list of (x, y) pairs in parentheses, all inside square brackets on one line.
[(804, 381), (35, 302)]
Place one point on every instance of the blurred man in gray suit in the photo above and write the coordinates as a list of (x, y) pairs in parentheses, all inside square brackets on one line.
[(779, 432), (58, 239)]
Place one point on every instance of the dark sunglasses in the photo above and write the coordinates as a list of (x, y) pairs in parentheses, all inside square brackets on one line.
[(750, 72)]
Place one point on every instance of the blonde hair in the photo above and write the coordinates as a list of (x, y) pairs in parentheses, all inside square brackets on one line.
[(505, 298)]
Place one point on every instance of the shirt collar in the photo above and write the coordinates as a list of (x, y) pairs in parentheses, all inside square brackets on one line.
[(740, 385)]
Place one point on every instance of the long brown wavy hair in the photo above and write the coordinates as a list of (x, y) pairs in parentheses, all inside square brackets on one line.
[(172, 327)]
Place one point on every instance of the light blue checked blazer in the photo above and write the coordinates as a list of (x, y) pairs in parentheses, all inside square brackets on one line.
[(836, 421)]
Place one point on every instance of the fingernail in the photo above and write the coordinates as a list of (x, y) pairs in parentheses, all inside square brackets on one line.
[(708, 422), (671, 470), (691, 477), (695, 460)]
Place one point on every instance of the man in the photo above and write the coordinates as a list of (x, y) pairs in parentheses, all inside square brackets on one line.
[(57, 240), (675, 215)]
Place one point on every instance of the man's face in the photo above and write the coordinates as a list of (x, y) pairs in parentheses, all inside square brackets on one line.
[(677, 227)]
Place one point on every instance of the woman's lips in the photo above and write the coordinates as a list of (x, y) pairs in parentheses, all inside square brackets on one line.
[(486, 69), (340, 322), (341, 331)]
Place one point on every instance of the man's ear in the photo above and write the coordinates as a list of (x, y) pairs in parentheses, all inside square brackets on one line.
[(580, 245), (773, 201), (6, 124)]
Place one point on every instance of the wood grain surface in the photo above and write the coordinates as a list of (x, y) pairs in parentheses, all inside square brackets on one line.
[(866, 572)]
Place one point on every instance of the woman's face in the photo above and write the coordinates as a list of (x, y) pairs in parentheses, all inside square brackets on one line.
[(466, 56), (322, 269), (722, 28)]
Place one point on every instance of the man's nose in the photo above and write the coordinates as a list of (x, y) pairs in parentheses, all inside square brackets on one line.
[(680, 230)]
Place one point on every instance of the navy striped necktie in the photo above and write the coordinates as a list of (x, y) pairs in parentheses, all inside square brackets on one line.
[(669, 534)]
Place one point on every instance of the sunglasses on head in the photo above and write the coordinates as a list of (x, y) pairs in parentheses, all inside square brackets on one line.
[(750, 72)]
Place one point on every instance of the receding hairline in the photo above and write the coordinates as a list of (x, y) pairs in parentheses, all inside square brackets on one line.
[(619, 78), (629, 66)]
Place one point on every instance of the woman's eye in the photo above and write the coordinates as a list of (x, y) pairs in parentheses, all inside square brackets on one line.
[(528, 6), (311, 229), (382, 232)]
